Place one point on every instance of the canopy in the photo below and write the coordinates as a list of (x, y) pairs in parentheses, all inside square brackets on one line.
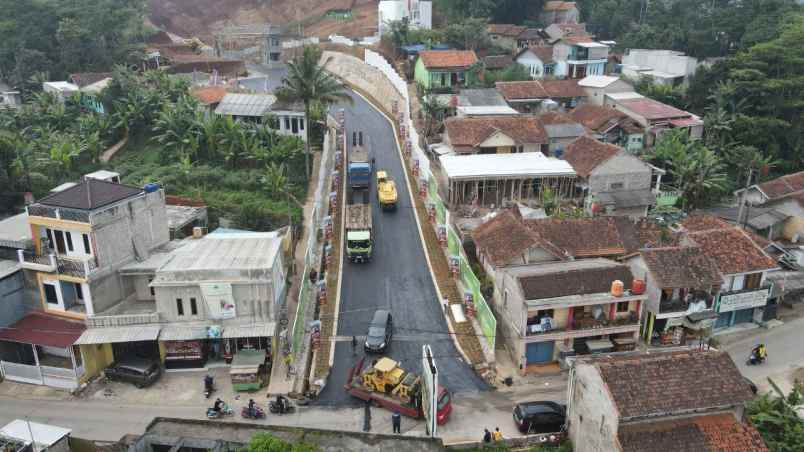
[(256, 330), (43, 329), (119, 334)]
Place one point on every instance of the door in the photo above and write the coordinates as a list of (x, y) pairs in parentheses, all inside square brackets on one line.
[(539, 352), (744, 316), (60, 242)]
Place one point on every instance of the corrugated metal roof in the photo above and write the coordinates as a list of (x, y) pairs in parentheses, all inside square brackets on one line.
[(119, 334), (256, 330), (183, 333), (42, 329), (255, 105)]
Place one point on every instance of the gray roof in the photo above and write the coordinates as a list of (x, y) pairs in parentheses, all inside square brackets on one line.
[(254, 105), (180, 216), (90, 194), (480, 98), (118, 334), (566, 130), (177, 332), (265, 329), (628, 198)]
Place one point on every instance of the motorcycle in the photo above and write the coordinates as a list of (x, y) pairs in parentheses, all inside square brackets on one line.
[(225, 410), (755, 360), (257, 413), (280, 406)]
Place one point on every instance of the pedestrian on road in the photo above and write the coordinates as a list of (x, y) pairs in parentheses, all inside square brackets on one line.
[(497, 435), (396, 420), (486, 436)]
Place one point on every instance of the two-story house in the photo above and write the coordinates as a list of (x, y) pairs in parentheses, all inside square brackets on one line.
[(687, 400), (444, 70), (615, 182), (554, 310), (610, 126), (597, 86), (580, 56), (559, 12)]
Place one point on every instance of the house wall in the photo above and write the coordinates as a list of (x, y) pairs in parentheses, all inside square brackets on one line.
[(107, 291), (662, 60), (285, 126), (560, 143), (252, 300), (597, 96), (652, 291), (591, 415), (622, 168), (96, 357), (533, 63), (421, 74), (12, 298), (141, 286)]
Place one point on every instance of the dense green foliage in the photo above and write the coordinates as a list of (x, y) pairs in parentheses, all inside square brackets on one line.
[(777, 420), (62, 37), (499, 11), (265, 442)]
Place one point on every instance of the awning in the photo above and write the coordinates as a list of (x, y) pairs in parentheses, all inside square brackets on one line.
[(257, 330), (119, 334), (183, 333), (43, 329)]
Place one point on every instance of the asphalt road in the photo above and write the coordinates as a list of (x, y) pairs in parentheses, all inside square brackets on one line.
[(396, 279)]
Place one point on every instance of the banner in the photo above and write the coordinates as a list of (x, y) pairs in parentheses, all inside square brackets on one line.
[(219, 300)]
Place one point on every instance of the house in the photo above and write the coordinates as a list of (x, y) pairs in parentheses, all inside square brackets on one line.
[(774, 190), (15, 234), (654, 116), (62, 90), (561, 131), (615, 182), (541, 95), (10, 99), (497, 62), (41, 437), (744, 265), (682, 284), (565, 93), (538, 60), (505, 36), (257, 107), (83, 234), (533, 37), (665, 67), (419, 13), (184, 216), (209, 97), (552, 310), (610, 126), (686, 400), (597, 86), (444, 69), (90, 85), (579, 56), (495, 135), (556, 12)]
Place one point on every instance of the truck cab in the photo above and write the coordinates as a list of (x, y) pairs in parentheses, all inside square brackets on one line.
[(358, 245), (359, 170)]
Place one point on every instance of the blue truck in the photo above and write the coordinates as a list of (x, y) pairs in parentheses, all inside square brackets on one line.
[(359, 170)]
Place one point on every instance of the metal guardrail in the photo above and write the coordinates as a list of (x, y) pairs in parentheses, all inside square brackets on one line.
[(38, 210)]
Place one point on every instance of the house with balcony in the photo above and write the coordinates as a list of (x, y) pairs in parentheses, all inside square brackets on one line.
[(83, 235), (553, 310), (580, 56), (610, 126), (444, 70)]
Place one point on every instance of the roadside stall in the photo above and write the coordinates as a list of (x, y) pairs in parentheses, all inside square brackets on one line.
[(248, 370)]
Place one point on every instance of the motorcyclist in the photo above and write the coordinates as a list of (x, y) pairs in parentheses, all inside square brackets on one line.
[(251, 411), (758, 354), (218, 407)]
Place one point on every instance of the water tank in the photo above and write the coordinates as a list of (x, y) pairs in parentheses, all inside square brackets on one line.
[(150, 188), (617, 288), (638, 287)]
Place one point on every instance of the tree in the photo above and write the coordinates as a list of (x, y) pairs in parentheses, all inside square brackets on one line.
[(513, 73), (470, 34), (308, 82), (776, 418), (265, 442), (398, 30), (434, 112)]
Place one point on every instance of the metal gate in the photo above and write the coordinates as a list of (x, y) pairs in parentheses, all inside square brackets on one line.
[(58, 377), (539, 352), (22, 373)]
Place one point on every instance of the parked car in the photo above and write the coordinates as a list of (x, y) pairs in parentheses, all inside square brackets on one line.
[(540, 417), (379, 332), (140, 372)]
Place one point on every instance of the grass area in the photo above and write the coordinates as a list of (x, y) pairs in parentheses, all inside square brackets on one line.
[(238, 195)]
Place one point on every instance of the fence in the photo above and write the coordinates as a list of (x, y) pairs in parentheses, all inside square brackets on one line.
[(470, 283)]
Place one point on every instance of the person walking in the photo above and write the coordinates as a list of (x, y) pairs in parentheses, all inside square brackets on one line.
[(497, 435), (486, 435), (396, 421)]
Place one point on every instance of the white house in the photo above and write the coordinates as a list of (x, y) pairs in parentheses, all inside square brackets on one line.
[(418, 12), (538, 60), (666, 67), (597, 86), (62, 90)]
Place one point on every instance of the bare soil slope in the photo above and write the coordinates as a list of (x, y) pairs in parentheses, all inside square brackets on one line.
[(203, 18)]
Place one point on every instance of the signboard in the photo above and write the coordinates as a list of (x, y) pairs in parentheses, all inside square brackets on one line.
[(743, 300), (429, 391), (219, 300)]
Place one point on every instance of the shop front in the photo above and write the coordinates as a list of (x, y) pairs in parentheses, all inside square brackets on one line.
[(742, 306), (191, 346), (247, 337), (127, 342)]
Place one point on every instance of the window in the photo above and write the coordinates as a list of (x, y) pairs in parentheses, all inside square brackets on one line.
[(274, 42), (301, 123), (86, 244), (179, 307), (616, 186), (622, 306), (153, 292), (79, 292), (60, 242), (193, 307), (50, 241), (69, 238), (294, 123), (287, 123), (752, 281)]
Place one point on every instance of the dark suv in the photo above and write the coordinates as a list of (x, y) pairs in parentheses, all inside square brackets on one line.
[(140, 372), (540, 417), (380, 331)]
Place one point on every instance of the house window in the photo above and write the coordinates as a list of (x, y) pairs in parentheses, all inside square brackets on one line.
[(193, 307), (443, 79), (60, 242), (616, 186), (69, 238), (622, 306), (79, 292), (86, 244), (752, 281), (179, 307), (50, 241), (294, 125), (274, 56), (301, 123)]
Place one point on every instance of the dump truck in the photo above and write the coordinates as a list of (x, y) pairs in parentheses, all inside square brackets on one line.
[(359, 169), (388, 385), (359, 234), (386, 190)]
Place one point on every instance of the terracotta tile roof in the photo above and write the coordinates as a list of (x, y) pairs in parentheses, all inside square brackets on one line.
[(585, 154), (555, 117), (473, 131), (569, 282), (534, 33), (498, 61), (733, 251), (563, 88), (698, 222), (446, 59), (521, 90), (83, 79), (209, 94), (577, 39), (573, 29), (544, 53), (505, 237), (652, 109), (581, 237), (783, 186), (644, 233), (43, 329), (673, 382), (597, 118), (509, 30), (682, 267), (559, 6), (713, 433)]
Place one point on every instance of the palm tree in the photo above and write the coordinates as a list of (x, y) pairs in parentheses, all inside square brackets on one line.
[(309, 82)]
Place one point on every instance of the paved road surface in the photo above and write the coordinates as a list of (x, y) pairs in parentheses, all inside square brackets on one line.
[(397, 279)]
